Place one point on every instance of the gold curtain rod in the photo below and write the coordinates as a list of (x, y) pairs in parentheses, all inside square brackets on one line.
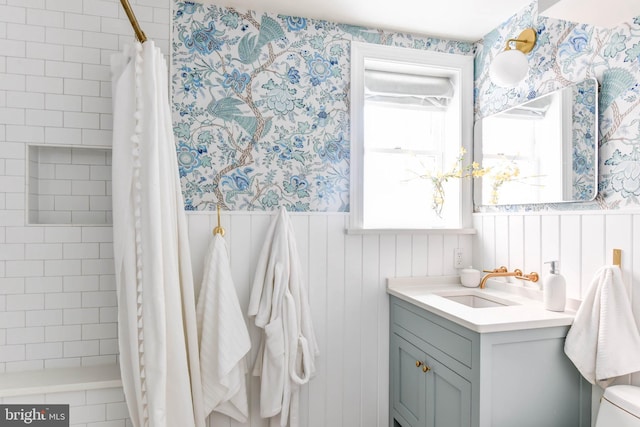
[(134, 22)]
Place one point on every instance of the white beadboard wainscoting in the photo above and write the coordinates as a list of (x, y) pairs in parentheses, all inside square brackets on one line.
[(347, 282), (581, 241)]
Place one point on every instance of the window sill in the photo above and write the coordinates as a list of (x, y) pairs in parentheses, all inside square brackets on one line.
[(361, 231)]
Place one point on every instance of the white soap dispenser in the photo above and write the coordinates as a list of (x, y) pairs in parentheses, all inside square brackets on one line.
[(554, 289)]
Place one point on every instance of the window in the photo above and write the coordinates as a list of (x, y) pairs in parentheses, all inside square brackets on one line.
[(411, 114)]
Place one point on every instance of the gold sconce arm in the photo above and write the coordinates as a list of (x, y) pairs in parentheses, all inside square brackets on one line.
[(525, 41)]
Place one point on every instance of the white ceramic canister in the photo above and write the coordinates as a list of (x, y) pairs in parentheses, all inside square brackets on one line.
[(470, 277)]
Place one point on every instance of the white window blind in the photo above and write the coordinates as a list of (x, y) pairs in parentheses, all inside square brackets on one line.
[(407, 89)]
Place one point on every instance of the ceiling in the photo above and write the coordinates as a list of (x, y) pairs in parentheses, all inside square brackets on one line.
[(600, 13), (467, 20)]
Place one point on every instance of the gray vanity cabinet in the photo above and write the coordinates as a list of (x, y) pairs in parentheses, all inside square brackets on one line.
[(445, 375), (429, 393)]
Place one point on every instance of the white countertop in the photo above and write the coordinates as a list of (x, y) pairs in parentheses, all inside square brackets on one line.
[(527, 311)]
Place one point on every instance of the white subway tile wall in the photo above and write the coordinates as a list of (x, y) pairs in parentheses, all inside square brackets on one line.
[(57, 291)]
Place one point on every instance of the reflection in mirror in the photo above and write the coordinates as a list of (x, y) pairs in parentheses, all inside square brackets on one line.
[(543, 151)]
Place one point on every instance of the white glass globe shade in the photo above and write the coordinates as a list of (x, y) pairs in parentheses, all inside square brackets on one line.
[(509, 68)]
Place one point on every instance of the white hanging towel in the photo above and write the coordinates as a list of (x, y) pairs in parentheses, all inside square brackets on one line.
[(280, 303), (224, 339), (603, 342), (157, 331)]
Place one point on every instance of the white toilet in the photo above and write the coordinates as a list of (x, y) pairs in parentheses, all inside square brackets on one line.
[(620, 407)]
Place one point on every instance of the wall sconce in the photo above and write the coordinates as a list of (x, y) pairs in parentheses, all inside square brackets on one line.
[(510, 66)]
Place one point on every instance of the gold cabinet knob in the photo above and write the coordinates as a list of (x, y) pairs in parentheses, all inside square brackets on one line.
[(420, 363)]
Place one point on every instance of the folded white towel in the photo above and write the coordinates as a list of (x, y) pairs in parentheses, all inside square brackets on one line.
[(224, 339), (604, 341)]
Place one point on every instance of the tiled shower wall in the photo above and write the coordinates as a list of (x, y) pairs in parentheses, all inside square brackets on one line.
[(57, 291)]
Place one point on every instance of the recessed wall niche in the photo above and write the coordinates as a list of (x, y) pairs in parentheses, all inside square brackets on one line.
[(69, 185)]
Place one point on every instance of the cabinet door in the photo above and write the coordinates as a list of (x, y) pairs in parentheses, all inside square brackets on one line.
[(407, 383), (448, 397)]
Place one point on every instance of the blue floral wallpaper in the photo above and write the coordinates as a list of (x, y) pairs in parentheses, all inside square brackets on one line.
[(566, 53), (585, 144), (261, 102), (261, 107)]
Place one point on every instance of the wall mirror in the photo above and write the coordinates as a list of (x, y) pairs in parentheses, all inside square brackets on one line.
[(542, 151)]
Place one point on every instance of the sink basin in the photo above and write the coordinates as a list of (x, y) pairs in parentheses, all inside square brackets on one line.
[(475, 301), (475, 298)]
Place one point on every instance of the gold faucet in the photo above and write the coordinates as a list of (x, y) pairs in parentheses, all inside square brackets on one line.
[(501, 269), (503, 272)]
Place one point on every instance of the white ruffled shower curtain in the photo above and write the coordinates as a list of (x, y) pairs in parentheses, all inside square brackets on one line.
[(156, 306)]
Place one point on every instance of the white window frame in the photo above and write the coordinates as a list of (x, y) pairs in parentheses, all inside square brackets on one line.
[(448, 64)]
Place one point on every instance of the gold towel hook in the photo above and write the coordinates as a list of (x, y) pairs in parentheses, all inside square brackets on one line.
[(617, 258), (218, 229)]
